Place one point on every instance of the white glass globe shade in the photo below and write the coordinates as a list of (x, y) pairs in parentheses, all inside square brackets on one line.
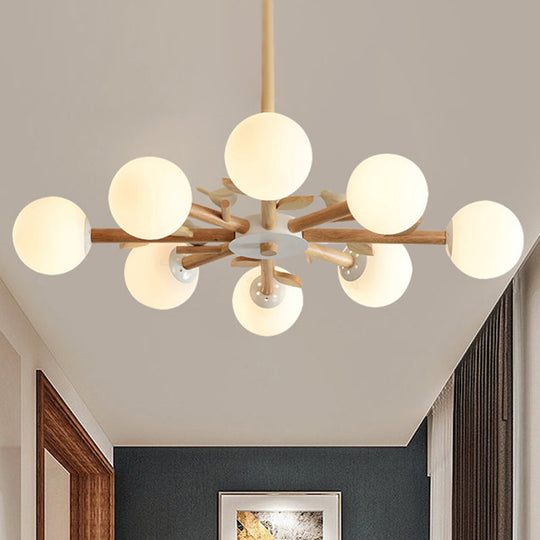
[(387, 193), (51, 235), (484, 239), (265, 321), (268, 156), (150, 281), (150, 197), (386, 276)]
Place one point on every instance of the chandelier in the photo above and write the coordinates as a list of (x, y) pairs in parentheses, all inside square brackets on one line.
[(268, 157)]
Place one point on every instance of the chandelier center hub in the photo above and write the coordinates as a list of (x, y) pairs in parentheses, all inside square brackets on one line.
[(288, 244)]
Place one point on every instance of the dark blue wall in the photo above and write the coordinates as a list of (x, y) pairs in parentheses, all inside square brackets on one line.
[(171, 493)]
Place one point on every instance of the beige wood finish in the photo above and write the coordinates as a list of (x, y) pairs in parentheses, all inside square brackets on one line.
[(330, 198), (268, 72), (245, 262), (194, 261), (183, 250), (219, 195), (364, 236), (361, 248), (118, 236), (268, 214), (295, 203), (269, 249), (326, 215), (183, 231), (209, 215), (228, 183), (288, 279), (132, 245), (225, 210), (267, 276), (330, 255)]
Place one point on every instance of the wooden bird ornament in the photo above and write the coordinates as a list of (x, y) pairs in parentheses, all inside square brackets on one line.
[(221, 194), (330, 198)]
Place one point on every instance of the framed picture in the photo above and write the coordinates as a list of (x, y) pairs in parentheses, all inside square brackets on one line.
[(280, 515)]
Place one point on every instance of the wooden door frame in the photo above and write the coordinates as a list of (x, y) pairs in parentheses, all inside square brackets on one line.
[(91, 475)]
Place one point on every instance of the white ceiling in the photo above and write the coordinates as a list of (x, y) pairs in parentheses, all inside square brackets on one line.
[(86, 86)]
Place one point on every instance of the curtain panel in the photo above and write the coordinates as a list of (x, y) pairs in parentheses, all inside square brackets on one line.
[(440, 454), (482, 477)]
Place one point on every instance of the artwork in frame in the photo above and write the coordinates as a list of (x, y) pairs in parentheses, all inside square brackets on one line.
[(280, 515)]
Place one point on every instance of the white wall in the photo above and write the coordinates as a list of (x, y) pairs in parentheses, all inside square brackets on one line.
[(10, 441), (57, 500), (527, 400), (35, 355)]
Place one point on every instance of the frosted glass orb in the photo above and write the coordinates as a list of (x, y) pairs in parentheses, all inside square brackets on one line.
[(387, 193), (268, 156), (484, 239), (150, 197), (385, 279), (51, 235), (150, 281), (265, 321)]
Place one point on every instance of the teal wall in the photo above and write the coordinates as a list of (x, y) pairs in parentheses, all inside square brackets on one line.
[(172, 493)]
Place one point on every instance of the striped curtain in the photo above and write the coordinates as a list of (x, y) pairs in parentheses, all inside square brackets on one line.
[(482, 485), (440, 447)]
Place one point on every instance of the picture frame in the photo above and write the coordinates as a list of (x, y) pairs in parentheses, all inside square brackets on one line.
[(259, 515)]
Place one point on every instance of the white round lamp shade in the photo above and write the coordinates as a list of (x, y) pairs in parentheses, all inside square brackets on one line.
[(150, 197), (387, 193), (149, 279), (268, 156), (484, 239), (385, 279), (261, 321), (51, 235)]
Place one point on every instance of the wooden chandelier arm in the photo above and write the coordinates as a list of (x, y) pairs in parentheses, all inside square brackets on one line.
[(365, 236), (330, 255), (119, 236), (268, 214), (207, 248), (226, 210), (194, 261), (267, 276), (346, 218), (214, 217), (326, 215)]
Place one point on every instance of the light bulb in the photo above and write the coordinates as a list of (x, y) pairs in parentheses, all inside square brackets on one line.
[(385, 278), (387, 193), (150, 279), (484, 239), (266, 321), (51, 235), (150, 197), (268, 156)]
